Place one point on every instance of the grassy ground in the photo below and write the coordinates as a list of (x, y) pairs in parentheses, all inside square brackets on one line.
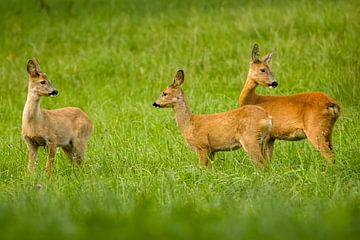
[(140, 180)]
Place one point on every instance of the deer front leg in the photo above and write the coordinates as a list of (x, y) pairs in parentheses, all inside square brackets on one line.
[(51, 155), (205, 156), (32, 149)]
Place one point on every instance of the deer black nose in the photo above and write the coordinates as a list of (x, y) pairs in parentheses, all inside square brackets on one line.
[(54, 93), (274, 84), (156, 105)]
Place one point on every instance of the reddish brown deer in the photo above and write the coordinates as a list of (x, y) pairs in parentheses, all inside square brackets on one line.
[(247, 126), (68, 128), (310, 115)]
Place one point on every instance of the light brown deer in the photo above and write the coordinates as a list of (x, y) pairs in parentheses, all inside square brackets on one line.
[(68, 128), (310, 115), (246, 127)]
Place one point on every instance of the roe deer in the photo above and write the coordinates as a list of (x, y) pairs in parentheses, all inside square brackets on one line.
[(68, 128), (246, 127), (309, 115)]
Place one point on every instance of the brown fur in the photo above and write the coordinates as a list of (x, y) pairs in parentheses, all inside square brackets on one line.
[(310, 115), (248, 126), (68, 128)]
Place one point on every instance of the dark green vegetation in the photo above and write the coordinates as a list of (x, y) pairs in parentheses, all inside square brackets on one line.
[(140, 180)]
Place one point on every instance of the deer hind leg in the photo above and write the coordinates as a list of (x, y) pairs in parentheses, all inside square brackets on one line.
[(321, 140), (205, 156), (79, 151), (32, 149), (69, 152), (252, 146), (319, 134), (318, 130), (80, 142), (269, 147), (51, 155)]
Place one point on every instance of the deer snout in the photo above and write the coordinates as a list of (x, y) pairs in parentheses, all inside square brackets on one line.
[(156, 105), (54, 93), (273, 84)]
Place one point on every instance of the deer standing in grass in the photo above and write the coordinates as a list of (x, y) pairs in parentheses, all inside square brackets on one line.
[(248, 126), (68, 128), (310, 115)]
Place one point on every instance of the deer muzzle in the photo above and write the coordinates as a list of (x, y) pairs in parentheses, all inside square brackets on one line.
[(54, 93), (273, 84), (156, 105)]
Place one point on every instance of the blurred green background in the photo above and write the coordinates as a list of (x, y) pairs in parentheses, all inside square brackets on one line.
[(113, 59)]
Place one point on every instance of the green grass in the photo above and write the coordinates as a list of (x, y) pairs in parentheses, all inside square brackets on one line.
[(140, 180)]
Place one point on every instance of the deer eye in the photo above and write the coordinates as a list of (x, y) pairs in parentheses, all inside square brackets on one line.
[(165, 94), (262, 70), (43, 82)]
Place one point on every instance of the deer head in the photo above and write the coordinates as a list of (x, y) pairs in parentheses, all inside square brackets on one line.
[(171, 94), (39, 83), (259, 71)]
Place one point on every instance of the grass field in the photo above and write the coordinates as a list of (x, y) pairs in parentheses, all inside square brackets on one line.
[(140, 180)]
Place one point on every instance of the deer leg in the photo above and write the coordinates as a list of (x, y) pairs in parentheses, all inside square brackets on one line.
[(321, 140), (212, 156), (79, 151), (269, 149), (205, 157), (69, 152), (327, 150), (51, 155), (253, 148), (32, 149), (318, 130)]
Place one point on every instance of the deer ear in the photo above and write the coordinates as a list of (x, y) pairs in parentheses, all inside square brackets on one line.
[(255, 53), (268, 58), (179, 78), (33, 68)]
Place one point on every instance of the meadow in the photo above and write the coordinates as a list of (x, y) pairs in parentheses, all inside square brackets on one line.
[(139, 180)]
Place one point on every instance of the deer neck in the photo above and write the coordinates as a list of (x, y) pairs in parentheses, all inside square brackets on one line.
[(248, 94), (183, 115), (32, 112)]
